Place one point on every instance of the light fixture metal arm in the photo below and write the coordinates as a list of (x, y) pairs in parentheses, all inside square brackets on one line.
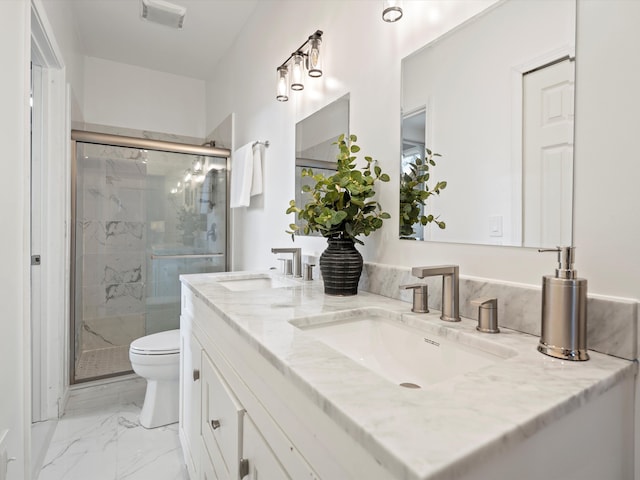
[(300, 49)]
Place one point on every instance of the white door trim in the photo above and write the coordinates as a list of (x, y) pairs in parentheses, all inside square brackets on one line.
[(51, 327)]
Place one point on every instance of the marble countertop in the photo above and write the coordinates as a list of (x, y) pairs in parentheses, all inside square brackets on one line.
[(429, 433)]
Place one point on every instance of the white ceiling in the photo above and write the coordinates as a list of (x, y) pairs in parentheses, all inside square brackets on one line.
[(114, 30)]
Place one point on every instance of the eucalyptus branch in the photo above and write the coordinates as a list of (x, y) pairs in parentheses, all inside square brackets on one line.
[(341, 205), (414, 193)]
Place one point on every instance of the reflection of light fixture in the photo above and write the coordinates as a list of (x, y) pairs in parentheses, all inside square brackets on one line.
[(187, 175), (306, 57), (197, 166), (391, 10)]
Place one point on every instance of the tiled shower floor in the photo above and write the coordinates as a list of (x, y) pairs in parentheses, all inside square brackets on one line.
[(104, 361), (99, 438)]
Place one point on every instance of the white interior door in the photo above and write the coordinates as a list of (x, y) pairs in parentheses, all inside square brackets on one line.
[(548, 115), (37, 413)]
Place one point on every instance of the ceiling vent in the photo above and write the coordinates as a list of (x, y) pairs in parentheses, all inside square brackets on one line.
[(164, 13)]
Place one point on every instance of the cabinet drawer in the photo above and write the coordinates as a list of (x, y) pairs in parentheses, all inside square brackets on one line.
[(207, 468), (221, 425), (263, 463)]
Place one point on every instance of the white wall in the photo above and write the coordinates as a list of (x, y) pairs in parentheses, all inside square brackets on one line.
[(127, 96), (14, 246), (607, 195), (363, 56), (60, 17)]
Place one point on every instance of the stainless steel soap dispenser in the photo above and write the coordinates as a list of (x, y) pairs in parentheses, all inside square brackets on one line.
[(564, 310)]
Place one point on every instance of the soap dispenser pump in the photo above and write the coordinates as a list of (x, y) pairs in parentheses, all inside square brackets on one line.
[(564, 310)]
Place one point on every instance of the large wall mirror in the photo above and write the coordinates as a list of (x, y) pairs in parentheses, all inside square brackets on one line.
[(315, 149), (494, 97)]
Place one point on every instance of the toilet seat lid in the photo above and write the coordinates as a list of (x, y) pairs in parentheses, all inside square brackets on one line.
[(162, 343)]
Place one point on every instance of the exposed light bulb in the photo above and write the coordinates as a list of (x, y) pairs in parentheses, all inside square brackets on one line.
[(314, 59), (297, 72), (282, 94)]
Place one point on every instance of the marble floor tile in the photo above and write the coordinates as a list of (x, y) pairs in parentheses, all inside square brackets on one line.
[(99, 437)]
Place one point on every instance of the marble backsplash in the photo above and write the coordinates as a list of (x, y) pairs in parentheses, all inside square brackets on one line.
[(612, 323)]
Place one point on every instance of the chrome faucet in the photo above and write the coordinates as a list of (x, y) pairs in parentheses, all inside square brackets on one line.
[(450, 288), (297, 258)]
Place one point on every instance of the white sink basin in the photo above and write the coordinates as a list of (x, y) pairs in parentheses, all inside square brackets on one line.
[(255, 282), (406, 355)]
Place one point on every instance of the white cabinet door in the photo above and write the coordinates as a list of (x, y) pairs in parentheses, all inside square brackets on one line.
[(263, 464), (221, 422), (190, 397), (207, 468)]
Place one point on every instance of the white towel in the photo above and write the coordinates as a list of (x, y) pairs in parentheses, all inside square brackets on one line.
[(241, 176), (256, 183)]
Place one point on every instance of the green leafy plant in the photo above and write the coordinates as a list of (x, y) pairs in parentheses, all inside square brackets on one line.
[(341, 205), (414, 193), (190, 221)]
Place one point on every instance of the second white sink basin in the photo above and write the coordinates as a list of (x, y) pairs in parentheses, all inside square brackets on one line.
[(406, 355), (255, 282)]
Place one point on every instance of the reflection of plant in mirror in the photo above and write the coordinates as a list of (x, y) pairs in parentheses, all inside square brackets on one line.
[(190, 221), (341, 205), (414, 193)]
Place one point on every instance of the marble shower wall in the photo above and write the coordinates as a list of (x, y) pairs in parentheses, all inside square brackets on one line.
[(124, 216), (612, 323), (112, 227)]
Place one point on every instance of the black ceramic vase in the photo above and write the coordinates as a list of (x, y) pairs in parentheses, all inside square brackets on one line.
[(341, 266)]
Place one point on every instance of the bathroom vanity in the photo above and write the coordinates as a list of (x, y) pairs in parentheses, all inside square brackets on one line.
[(281, 381)]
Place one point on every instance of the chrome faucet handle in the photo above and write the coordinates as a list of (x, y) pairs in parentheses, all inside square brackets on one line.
[(420, 297), (487, 314), (287, 266), (307, 271)]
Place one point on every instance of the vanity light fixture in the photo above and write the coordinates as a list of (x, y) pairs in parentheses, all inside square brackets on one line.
[(306, 58), (391, 10)]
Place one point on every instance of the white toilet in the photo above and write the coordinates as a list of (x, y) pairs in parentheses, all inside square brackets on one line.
[(157, 358)]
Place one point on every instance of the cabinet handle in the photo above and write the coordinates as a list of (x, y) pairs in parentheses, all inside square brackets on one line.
[(215, 424), (196, 374)]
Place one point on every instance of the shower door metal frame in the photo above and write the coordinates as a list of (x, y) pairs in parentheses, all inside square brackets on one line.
[(97, 138)]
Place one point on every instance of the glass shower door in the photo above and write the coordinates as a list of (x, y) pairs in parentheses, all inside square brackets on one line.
[(143, 217)]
